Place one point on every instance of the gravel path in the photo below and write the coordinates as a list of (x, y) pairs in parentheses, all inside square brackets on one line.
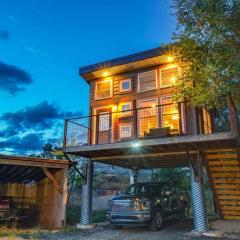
[(172, 231)]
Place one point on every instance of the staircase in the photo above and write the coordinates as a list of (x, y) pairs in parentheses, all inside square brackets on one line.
[(223, 168)]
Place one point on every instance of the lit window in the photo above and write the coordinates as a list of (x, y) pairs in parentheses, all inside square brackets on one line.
[(125, 108), (125, 130), (168, 76), (147, 81), (125, 85), (103, 89), (147, 115), (104, 122), (170, 114)]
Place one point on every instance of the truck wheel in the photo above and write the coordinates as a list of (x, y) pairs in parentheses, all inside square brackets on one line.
[(157, 222), (116, 227)]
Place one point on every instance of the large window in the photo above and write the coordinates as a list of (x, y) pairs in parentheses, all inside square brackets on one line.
[(147, 81), (103, 89), (168, 76), (169, 114), (104, 122), (147, 116)]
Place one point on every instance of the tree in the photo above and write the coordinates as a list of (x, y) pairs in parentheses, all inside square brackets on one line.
[(207, 50)]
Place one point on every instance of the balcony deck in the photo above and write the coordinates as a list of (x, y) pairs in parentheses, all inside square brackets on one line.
[(155, 152), (151, 144)]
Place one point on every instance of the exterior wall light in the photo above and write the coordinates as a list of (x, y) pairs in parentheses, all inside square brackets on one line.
[(169, 58), (115, 108), (106, 74)]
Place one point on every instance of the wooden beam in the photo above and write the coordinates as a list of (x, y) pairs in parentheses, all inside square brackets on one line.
[(53, 180), (142, 155)]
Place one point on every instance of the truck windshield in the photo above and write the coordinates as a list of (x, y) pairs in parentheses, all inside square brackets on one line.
[(146, 189)]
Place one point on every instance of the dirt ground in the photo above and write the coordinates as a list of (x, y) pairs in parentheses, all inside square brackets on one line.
[(177, 230), (172, 231)]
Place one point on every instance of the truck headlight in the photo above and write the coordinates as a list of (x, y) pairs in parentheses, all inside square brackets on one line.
[(146, 204)]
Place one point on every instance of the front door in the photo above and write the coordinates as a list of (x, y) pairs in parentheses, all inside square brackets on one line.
[(104, 130)]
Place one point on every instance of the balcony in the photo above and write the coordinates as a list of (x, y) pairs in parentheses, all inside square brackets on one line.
[(173, 130)]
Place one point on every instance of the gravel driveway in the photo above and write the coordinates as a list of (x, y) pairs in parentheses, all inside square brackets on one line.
[(172, 231)]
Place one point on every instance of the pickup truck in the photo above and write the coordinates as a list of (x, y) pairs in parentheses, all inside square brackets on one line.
[(147, 204)]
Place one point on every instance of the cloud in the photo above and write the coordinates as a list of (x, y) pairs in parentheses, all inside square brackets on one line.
[(13, 79), (30, 142), (28, 129), (40, 117), (4, 34)]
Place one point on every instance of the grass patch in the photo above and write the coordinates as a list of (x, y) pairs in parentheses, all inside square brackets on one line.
[(74, 215), (13, 233)]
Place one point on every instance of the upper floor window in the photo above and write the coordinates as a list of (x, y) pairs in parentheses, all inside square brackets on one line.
[(147, 81), (103, 89), (125, 85), (168, 76)]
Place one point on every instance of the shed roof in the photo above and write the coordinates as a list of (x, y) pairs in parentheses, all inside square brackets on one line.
[(20, 169)]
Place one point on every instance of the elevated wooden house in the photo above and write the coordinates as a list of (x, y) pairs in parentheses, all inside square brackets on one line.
[(134, 122)]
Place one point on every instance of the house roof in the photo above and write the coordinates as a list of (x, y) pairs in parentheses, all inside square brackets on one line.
[(149, 58)]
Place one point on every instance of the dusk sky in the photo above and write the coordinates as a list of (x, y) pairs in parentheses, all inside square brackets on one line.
[(42, 45)]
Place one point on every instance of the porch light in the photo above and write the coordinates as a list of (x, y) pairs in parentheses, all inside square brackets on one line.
[(136, 144)]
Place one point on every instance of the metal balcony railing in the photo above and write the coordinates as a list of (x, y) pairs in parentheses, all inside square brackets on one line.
[(149, 122)]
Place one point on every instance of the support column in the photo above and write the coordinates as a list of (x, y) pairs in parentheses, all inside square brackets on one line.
[(134, 177), (87, 192), (198, 197)]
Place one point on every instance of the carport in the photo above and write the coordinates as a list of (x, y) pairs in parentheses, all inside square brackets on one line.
[(36, 183)]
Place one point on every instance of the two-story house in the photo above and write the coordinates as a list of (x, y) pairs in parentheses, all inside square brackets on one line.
[(134, 121)]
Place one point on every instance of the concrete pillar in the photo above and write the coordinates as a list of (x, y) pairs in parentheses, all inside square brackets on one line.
[(134, 176), (87, 192), (198, 197)]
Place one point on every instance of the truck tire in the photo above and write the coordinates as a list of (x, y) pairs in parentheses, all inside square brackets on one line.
[(116, 227), (157, 222)]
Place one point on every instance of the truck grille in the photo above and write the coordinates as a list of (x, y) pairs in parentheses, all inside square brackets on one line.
[(123, 205)]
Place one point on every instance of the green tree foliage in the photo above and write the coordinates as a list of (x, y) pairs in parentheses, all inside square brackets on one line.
[(208, 51), (180, 176)]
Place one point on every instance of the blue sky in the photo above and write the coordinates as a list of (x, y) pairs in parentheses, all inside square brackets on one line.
[(49, 40)]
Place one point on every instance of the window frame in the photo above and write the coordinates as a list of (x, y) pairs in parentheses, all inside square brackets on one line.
[(161, 112), (139, 111), (160, 76), (125, 125), (125, 80), (156, 81), (126, 113), (109, 123), (111, 89)]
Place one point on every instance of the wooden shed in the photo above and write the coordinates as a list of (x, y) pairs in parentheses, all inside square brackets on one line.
[(36, 183)]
